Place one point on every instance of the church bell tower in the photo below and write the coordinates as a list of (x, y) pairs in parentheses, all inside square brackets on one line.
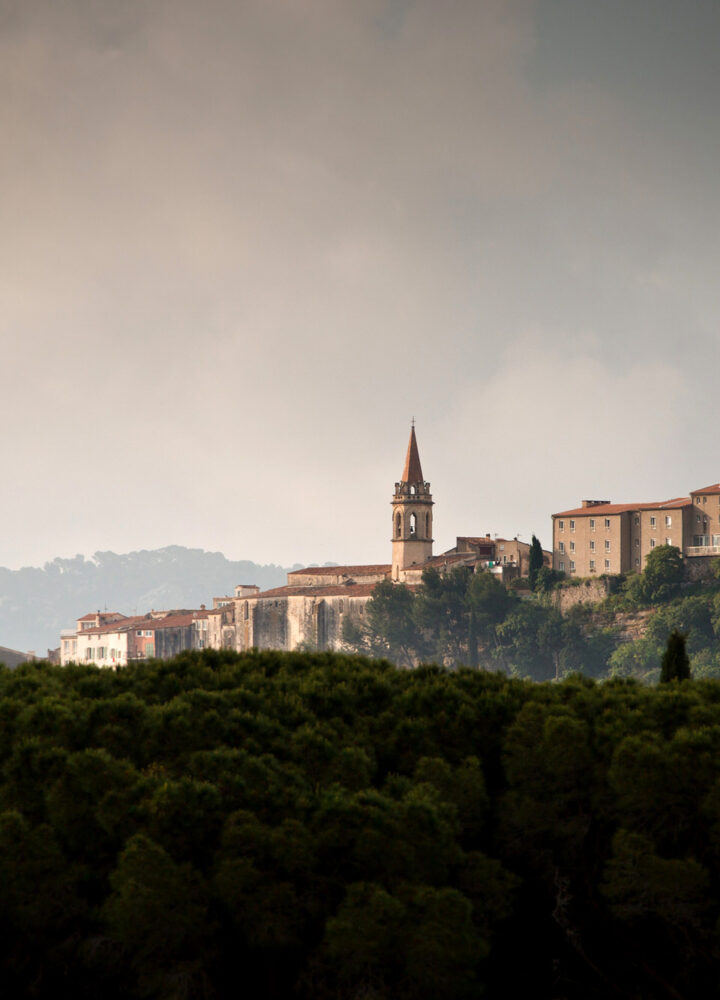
[(412, 515)]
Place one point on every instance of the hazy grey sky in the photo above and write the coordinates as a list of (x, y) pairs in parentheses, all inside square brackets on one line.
[(244, 242)]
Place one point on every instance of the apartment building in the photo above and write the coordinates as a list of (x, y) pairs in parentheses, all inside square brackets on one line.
[(705, 521), (602, 537)]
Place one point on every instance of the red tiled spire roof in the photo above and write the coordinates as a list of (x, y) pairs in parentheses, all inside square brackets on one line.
[(412, 473)]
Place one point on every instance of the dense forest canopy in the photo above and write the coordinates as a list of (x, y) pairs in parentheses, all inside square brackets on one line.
[(472, 619), (274, 825)]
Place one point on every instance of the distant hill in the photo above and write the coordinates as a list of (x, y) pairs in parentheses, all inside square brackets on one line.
[(36, 603)]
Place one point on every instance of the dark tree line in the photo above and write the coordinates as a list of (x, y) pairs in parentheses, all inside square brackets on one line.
[(275, 825)]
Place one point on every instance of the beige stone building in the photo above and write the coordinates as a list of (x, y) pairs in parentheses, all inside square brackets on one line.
[(705, 539), (602, 537)]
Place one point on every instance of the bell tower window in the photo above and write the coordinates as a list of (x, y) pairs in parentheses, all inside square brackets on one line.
[(413, 525), (398, 526)]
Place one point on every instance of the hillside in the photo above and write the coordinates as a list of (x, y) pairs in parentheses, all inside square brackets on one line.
[(563, 627), (37, 602)]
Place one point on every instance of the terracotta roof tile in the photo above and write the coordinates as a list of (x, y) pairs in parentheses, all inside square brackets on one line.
[(103, 614), (412, 473), (715, 488), (337, 590), (146, 622), (601, 509), (373, 570)]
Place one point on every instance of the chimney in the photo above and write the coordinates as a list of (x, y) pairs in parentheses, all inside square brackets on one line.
[(593, 503)]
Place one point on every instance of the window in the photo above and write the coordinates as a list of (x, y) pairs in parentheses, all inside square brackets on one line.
[(607, 522), (704, 499), (668, 521), (652, 522), (592, 565), (572, 546), (592, 546), (561, 566), (101, 652), (697, 499), (668, 541), (561, 547), (652, 543), (592, 524), (572, 526), (139, 631), (607, 564), (697, 518), (637, 519), (88, 653), (561, 526), (607, 544), (637, 562), (572, 566), (398, 526), (637, 543)]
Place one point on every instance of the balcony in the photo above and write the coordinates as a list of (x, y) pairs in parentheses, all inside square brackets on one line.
[(702, 550)]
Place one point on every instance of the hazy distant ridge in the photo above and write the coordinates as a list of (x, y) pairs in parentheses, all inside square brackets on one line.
[(35, 603)]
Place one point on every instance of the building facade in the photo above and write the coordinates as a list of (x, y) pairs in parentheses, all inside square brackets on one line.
[(602, 537)]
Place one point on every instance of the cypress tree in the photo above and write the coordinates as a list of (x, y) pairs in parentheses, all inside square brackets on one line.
[(536, 561), (675, 662)]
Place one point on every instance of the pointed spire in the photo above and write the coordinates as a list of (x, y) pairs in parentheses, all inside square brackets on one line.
[(412, 473)]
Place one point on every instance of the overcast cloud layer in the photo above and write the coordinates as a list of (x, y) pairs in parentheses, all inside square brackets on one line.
[(244, 242)]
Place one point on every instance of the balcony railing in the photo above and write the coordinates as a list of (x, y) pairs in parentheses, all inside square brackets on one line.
[(702, 550)]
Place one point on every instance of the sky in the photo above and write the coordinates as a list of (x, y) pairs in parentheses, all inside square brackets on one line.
[(246, 241)]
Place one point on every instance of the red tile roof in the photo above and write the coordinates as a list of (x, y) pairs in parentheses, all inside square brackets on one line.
[(103, 614), (350, 571), (147, 622), (412, 473), (336, 590), (601, 509), (715, 488)]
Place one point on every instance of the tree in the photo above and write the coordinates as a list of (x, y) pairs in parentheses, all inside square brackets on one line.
[(390, 623), (661, 578), (536, 561), (675, 662)]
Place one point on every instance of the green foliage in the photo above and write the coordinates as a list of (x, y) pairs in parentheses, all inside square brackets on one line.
[(659, 581), (536, 561), (675, 664), (318, 826)]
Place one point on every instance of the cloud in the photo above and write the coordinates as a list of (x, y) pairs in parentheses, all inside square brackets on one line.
[(248, 241)]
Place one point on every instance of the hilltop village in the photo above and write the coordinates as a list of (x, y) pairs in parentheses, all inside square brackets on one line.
[(597, 539), (310, 611)]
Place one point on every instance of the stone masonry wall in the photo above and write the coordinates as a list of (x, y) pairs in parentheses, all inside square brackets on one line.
[(590, 591)]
